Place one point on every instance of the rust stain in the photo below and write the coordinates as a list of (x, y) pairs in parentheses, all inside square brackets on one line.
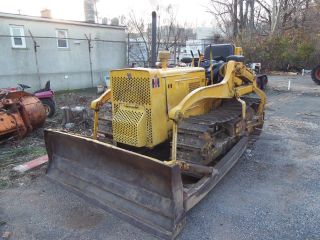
[(20, 113)]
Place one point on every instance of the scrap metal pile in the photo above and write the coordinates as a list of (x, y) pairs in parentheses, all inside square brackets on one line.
[(20, 113)]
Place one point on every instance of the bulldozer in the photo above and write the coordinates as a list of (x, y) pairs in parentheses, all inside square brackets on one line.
[(162, 139)]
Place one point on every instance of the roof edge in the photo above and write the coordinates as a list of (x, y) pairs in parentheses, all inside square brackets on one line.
[(61, 21)]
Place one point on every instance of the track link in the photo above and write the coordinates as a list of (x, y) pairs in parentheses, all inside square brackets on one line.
[(201, 139), (105, 124), (204, 139)]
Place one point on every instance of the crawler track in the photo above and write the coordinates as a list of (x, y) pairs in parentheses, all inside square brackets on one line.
[(201, 139), (204, 139), (105, 124)]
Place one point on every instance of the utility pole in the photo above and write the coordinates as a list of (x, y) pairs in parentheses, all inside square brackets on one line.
[(35, 48), (90, 60), (235, 18)]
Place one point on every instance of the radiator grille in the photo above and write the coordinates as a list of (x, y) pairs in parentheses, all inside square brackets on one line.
[(134, 90), (149, 127), (129, 127)]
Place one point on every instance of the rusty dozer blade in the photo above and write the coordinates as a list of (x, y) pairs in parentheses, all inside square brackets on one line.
[(136, 188), (141, 190)]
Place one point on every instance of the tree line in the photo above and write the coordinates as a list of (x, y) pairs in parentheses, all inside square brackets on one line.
[(282, 34)]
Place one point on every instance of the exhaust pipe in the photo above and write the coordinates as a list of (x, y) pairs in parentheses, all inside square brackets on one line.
[(154, 40)]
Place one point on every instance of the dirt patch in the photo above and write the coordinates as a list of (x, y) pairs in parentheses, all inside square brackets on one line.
[(80, 218), (18, 151)]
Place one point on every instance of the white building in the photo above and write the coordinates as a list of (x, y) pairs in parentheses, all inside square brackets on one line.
[(36, 49)]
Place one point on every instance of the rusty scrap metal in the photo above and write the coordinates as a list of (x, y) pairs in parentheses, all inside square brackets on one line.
[(20, 113)]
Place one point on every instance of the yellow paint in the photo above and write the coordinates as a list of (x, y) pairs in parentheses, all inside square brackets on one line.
[(238, 51), (95, 124), (147, 104), (95, 105), (154, 92), (232, 86)]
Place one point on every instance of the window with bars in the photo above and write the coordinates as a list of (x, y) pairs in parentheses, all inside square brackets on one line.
[(18, 39)]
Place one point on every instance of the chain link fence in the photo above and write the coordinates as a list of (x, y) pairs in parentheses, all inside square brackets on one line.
[(69, 63)]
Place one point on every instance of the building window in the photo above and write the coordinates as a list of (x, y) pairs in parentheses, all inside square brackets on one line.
[(62, 40), (18, 39)]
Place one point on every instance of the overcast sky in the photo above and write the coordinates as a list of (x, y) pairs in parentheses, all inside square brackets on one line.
[(191, 11)]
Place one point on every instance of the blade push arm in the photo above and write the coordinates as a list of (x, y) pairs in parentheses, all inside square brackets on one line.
[(238, 81), (96, 105)]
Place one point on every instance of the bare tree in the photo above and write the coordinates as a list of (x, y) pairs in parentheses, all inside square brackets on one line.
[(264, 16), (241, 23), (223, 13), (251, 20), (136, 26), (170, 35), (235, 18)]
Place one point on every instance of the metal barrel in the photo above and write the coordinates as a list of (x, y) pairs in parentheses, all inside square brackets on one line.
[(20, 113), (139, 189)]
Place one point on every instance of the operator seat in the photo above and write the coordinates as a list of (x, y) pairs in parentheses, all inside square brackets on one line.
[(221, 53)]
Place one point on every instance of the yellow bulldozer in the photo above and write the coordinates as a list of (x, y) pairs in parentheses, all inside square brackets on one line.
[(166, 137)]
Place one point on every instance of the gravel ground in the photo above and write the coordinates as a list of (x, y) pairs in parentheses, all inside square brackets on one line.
[(273, 192)]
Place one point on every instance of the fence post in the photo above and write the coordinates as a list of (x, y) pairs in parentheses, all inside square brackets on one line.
[(90, 60), (35, 48)]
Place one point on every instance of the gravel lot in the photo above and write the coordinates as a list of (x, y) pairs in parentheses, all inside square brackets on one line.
[(273, 192)]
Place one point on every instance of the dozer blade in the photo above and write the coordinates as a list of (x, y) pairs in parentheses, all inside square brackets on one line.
[(137, 188)]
